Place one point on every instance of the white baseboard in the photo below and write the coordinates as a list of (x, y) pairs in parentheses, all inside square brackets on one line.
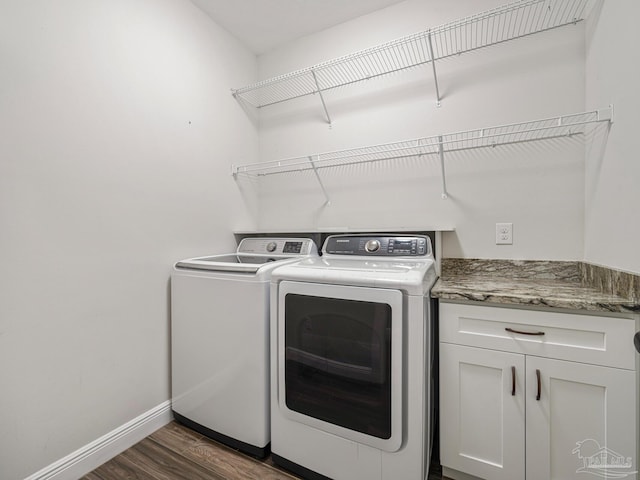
[(91, 456)]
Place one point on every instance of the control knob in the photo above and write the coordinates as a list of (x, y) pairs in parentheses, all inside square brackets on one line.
[(271, 246), (372, 246)]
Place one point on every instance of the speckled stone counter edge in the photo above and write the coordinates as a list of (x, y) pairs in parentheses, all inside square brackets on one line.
[(523, 269), (575, 285)]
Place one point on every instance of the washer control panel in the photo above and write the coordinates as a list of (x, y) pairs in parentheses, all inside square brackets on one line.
[(378, 245), (277, 246)]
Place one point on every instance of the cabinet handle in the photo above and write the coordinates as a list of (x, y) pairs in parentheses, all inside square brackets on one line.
[(511, 330), (513, 381), (539, 384)]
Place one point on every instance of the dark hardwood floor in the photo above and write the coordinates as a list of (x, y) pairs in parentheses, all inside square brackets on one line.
[(177, 453)]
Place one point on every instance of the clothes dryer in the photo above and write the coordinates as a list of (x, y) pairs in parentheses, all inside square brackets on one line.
[(220, 340), (351, 360)]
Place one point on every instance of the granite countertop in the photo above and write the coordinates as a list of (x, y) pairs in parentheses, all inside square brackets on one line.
[(566, 285)]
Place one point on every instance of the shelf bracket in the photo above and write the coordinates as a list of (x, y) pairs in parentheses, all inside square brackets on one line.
[(324, 191), (324, 105), (445, 195), (433, 66), (606, 114)]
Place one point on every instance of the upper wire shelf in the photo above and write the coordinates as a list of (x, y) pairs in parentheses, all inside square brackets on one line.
[(548, 128), (498, 25)]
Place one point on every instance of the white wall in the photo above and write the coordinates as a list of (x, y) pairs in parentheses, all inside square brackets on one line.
[(539, 187), (118, 133), (612, 226)]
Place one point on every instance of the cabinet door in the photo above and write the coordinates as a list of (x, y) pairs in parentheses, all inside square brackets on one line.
[(481, 422), (584, 420)]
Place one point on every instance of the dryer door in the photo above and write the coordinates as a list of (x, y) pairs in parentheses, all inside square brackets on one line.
[(340, 360)]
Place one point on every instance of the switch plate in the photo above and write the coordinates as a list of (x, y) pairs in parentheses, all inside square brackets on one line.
[(504, 233)]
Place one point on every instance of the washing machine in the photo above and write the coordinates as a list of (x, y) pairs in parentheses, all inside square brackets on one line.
[(351, 358), (220, 340)]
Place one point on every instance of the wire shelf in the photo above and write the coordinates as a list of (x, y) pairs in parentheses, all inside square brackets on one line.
[(562, 126), (511, 21)]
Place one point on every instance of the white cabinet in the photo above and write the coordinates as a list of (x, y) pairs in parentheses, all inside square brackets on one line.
[(482, 424), (536, 395), (578, 403)]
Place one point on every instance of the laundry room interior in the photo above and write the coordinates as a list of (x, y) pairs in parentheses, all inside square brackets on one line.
[(128, 144)]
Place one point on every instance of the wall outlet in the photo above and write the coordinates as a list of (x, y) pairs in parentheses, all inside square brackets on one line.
[(504, 233)]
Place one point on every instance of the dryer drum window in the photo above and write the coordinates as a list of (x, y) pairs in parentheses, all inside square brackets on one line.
[(338, 362)]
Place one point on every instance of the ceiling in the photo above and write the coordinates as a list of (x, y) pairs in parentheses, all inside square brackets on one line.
[(263, 25)]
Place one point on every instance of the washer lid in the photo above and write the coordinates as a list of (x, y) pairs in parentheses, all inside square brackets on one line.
[(228, 263), (254, 255)]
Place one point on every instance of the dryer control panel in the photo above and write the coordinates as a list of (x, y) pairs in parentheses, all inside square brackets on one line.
[(378, 245)]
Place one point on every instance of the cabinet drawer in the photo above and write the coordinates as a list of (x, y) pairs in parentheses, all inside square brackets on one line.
[(582, 338)]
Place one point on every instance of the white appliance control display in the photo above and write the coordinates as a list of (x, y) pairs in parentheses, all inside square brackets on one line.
[(378, 245), (276, 246)]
